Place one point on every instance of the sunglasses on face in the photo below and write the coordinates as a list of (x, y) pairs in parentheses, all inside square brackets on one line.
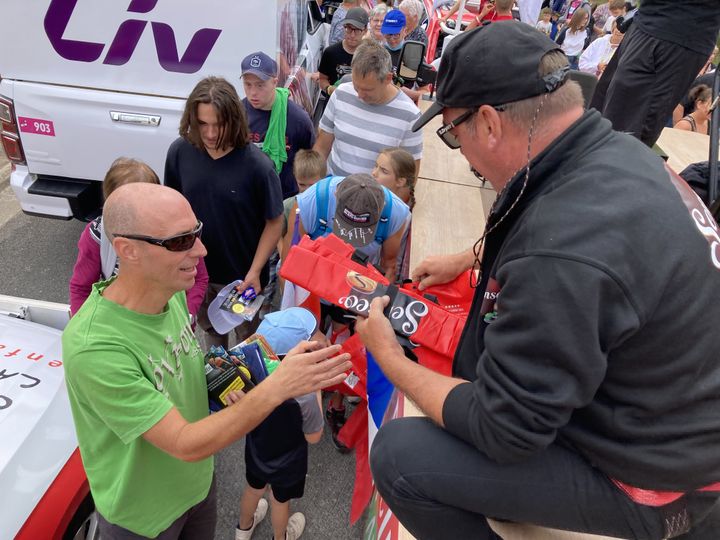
[(352, 29), (179, 242), (446, 134)]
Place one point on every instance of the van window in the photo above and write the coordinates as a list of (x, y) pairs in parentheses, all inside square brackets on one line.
[(315, 17)]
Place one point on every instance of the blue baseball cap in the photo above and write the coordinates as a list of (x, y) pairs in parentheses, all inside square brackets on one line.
[(285, 329), (394, 22), (259, 64)]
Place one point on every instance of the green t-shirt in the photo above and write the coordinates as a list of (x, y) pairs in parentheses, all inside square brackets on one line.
[(124, 371)]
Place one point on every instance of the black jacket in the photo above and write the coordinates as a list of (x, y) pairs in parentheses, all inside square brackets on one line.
[(596, 321)]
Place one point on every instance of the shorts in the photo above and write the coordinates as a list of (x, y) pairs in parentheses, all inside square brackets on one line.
[(281, 491)]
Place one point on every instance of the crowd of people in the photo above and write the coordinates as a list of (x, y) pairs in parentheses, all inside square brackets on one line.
[(619, 409), (591, 33)]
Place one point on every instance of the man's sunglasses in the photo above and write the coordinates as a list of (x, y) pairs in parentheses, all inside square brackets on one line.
[(446, 134), (179, 242)]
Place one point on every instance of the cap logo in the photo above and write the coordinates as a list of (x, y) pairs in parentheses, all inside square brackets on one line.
[(255, 61), (356, 218)]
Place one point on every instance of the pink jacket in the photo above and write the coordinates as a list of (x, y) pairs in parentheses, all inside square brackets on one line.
[(88, 270)]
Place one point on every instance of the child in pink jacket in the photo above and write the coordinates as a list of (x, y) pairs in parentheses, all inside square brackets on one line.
[(96, 257)]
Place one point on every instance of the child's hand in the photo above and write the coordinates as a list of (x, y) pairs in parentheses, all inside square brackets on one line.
[(321, 338), (234, 397)]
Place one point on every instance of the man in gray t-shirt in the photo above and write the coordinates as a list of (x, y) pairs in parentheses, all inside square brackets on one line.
[(366, 116)]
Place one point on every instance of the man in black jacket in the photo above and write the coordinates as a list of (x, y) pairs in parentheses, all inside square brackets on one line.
[(586, 384)]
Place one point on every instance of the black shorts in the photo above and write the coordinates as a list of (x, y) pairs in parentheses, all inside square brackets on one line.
[(281, 491)]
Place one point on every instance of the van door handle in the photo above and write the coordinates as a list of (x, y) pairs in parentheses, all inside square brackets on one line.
[(152, 120)]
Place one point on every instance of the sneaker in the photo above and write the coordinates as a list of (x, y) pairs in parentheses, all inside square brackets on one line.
[(295, 526), (259, 515), (339, 446), (336, 420)]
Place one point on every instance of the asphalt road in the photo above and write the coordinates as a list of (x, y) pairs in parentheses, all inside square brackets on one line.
[(36, 261)]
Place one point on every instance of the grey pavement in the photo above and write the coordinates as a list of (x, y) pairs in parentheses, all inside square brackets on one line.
[(4, 170), (8, 204), (36, 261)]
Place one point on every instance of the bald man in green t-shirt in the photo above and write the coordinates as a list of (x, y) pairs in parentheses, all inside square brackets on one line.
[(135, 377)]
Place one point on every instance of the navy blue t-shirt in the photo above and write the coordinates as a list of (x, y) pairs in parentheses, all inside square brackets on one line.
[(276, 450), (233, 196), (299, 134)]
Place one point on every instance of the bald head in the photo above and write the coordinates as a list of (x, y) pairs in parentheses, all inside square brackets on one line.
[(146, 209)]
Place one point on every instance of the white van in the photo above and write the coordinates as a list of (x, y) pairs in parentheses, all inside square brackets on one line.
[(86, 81)]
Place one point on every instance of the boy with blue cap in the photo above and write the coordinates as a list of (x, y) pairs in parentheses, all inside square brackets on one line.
[(276, 451), (278, 126)]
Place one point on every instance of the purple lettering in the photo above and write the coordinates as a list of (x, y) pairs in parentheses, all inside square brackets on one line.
[(142, 6), (195, 55), (56, 21), (125, 41)]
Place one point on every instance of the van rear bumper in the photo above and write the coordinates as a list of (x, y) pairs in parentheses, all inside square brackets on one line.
[(54, 197)]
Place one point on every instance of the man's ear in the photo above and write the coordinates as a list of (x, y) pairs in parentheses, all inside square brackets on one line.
[(491, 125), (127, 250)]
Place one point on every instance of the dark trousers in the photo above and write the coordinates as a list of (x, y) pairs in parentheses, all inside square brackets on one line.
[(440, 487), (644, 81), (198, 523)]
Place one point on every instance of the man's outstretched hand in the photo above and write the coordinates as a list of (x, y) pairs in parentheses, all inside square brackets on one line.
[(309, 367)]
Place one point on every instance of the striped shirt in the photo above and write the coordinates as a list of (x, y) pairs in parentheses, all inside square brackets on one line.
[(362, 131)]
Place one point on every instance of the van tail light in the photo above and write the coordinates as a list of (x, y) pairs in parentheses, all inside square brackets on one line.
[(9, 133)]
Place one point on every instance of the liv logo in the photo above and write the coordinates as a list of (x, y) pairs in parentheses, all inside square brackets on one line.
[(126, 39)]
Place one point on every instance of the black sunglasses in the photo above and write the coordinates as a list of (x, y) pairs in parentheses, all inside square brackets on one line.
[(445, 132), (179, 242)]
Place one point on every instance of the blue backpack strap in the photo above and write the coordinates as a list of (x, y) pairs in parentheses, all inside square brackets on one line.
[(383, 229), (322, 200)]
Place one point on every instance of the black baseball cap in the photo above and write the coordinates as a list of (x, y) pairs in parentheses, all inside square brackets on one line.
[(356, 17), (493, 65)]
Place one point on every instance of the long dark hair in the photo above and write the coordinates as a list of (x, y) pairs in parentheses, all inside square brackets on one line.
[(219, 93), (577, 18), (701, 92)]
